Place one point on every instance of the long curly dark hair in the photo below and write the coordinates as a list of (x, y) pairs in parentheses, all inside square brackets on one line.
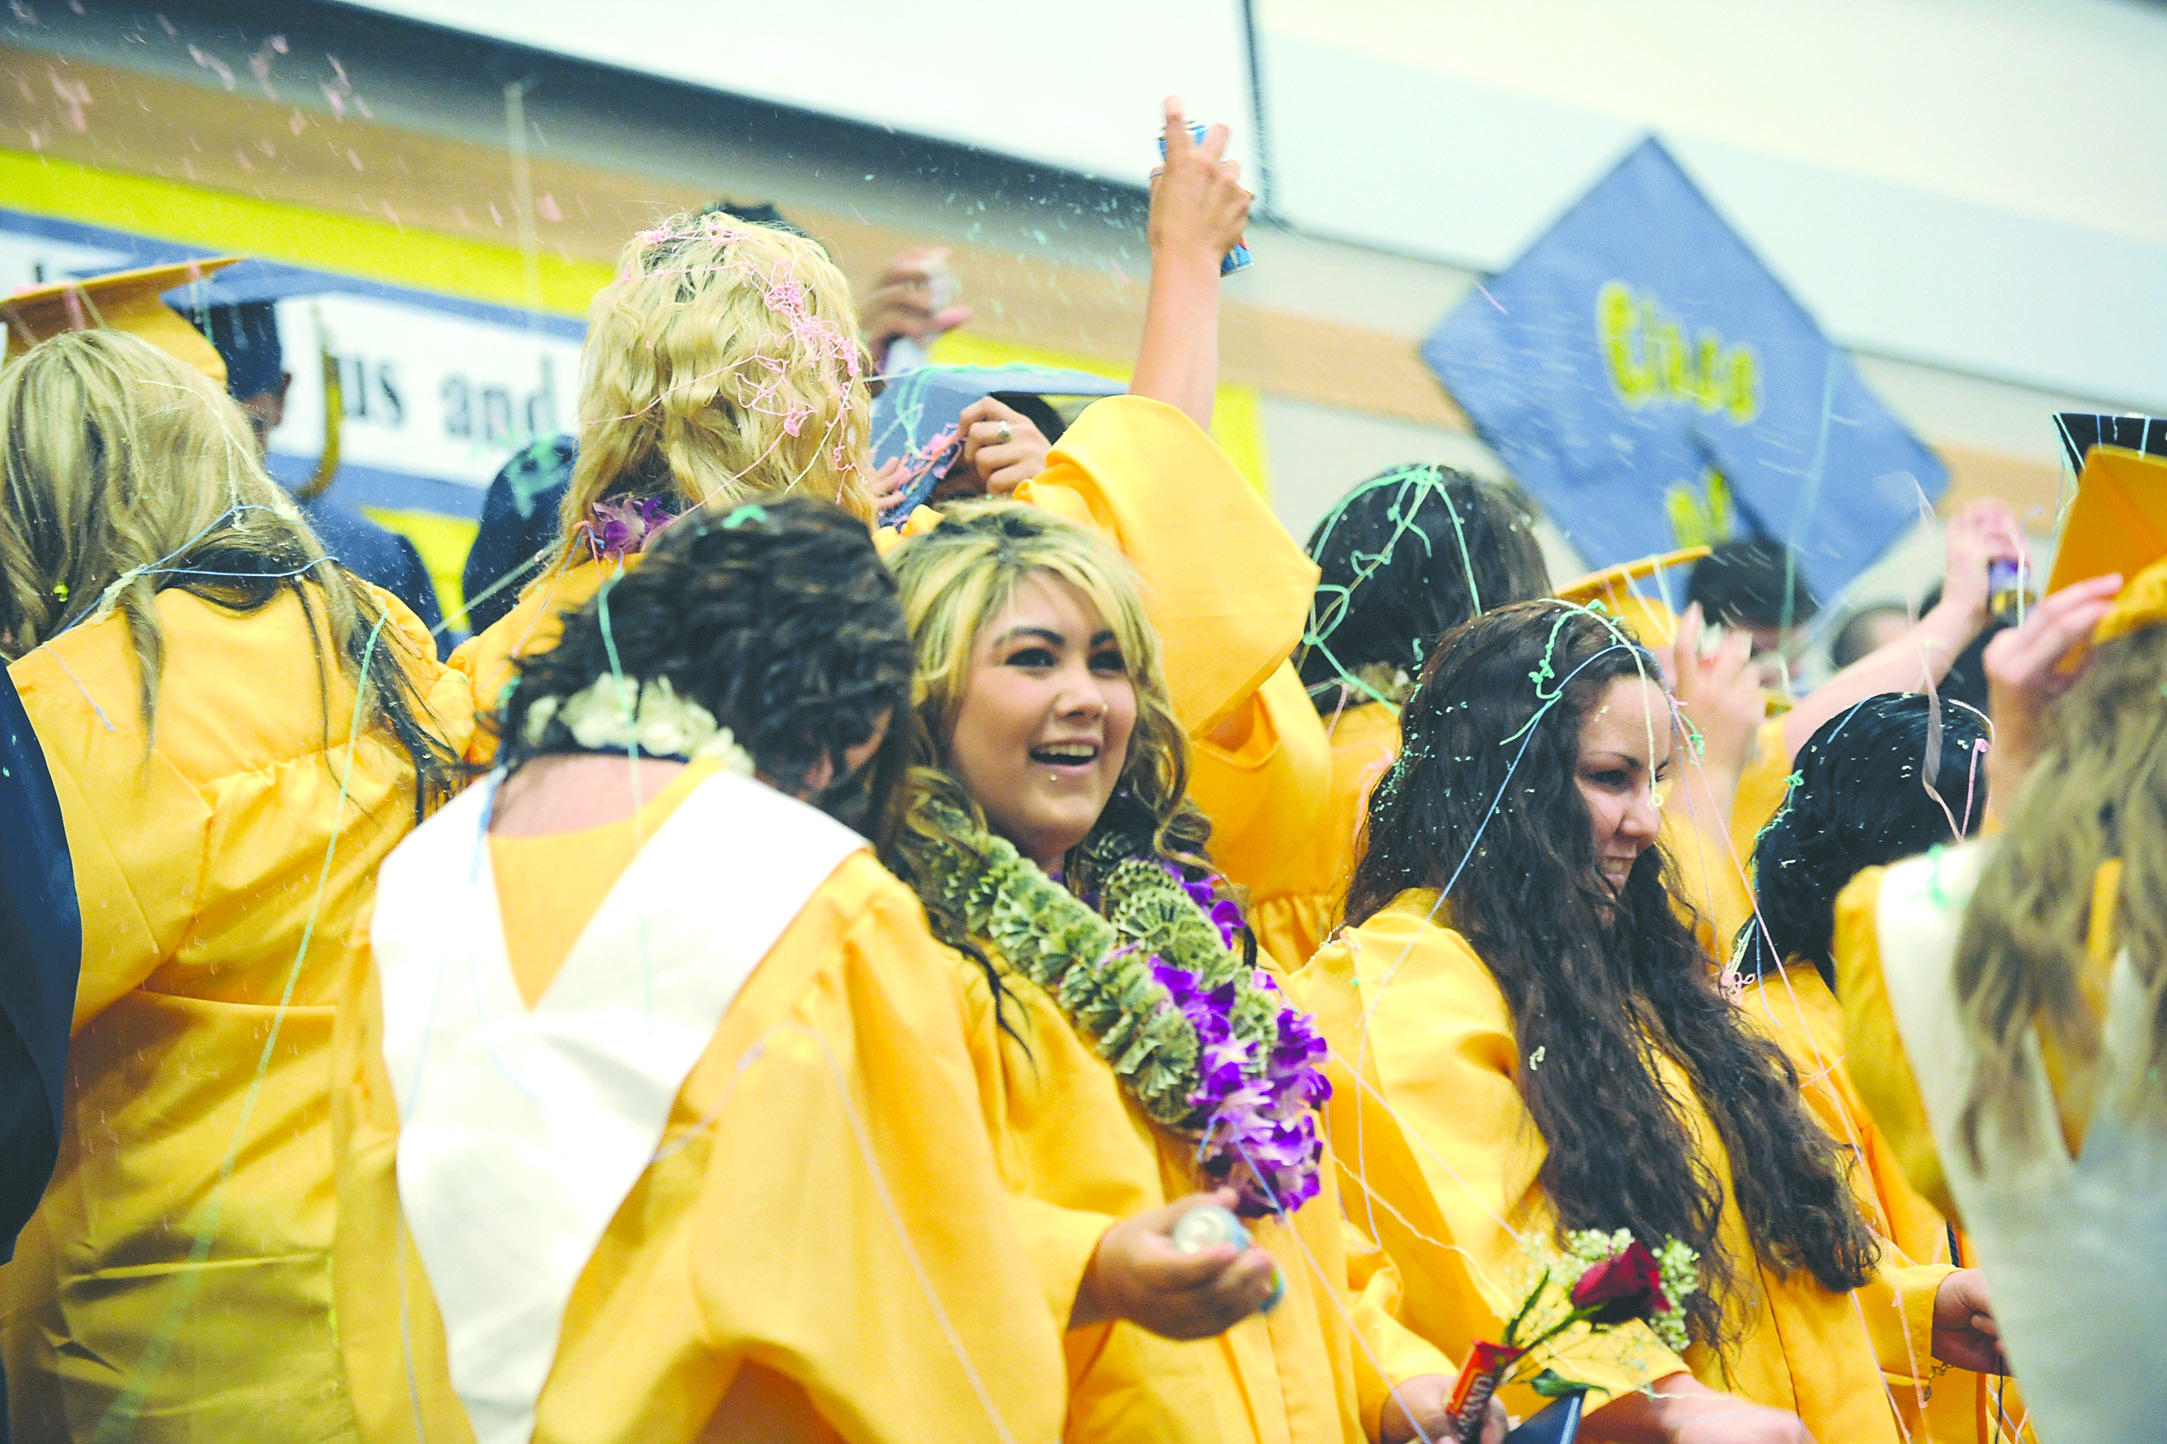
[(1859, 799), (1404, 558), (1484, 805), (779, 619)]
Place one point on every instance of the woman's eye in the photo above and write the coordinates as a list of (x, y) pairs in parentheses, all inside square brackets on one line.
[(1112, 663), (1035, 657), (1614, 779)]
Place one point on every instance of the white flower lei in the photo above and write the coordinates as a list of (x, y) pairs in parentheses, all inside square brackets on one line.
[(647, 714)]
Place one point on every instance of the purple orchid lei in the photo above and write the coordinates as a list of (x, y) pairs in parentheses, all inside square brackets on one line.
[(1145, 964), (1256, 1096), (625, 525)]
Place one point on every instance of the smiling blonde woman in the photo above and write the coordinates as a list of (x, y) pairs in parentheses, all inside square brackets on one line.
[(1048, 834)]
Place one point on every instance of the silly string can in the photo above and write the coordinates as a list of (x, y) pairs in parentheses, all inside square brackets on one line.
[(2007, 589), (1207, 1226), (1237, 259)]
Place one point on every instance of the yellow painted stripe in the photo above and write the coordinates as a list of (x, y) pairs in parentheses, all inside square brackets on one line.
[(443, 542), (455, 266), (322, 240)]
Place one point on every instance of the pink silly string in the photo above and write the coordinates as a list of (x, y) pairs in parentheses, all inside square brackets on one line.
[(1971, 783)]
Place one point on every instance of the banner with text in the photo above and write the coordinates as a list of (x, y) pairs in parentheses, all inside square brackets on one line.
[(1647, 378), (437, 392)]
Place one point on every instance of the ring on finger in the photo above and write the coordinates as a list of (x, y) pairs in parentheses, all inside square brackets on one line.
[(1005, 435)]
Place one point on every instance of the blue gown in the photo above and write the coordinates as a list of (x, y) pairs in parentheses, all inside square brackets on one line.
[(519, 523), (41, 934)]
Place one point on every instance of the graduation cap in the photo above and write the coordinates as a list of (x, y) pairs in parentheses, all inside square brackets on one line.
[(915, 417), (131, 301), (238, 310), (2118, 522), (1650, 619), (2083, 430)]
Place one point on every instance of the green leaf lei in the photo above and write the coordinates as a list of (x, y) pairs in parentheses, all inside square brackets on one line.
[(1224, 1055)]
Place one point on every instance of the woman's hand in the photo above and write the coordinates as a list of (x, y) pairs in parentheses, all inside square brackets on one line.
[(901, 303), (1198, 207), (1982, 533), (1002, 449), (884, 485), (1679, 1409), (1136, 1274), (1416, 1410), (2024, 673), (1965, 1333), (1720, 694)]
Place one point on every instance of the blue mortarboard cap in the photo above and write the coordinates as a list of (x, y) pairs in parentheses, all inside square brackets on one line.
[(915, 417), (237, 310), (246, 335)]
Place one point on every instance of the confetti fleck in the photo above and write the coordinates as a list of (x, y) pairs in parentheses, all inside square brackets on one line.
[(212, 63)]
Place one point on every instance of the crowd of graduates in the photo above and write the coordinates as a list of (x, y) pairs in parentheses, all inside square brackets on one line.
[(803, 971)]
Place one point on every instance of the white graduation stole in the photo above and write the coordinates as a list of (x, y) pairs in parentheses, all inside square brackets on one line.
[(521, 1132)]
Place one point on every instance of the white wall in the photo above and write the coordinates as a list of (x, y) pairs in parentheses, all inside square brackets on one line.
[(1076, 86), (1972, 184)]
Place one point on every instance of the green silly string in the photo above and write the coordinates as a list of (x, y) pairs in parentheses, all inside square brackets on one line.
[(1416, 484), (751, 511)]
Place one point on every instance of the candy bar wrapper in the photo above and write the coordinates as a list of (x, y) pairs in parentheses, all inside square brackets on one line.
[(1477, 1382)]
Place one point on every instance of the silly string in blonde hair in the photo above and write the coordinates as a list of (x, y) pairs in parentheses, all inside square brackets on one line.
[(723, 362)]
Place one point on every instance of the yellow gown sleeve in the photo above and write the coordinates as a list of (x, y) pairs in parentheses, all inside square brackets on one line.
[(1387, 1352), (1226, 587), (487, 659), (1761, 788), (905, 1299), (1874, 1050), (138, 831), (1435, 1148)]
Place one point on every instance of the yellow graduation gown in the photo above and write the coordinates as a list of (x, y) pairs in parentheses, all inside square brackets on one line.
[(1297, 892), (1442, 1158), (1798, 1011), (753, 1285), (1080, 1156), (1878, 1079), (179, 1269), (534, 624)]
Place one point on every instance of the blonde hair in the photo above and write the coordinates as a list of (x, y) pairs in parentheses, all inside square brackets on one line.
[(958, 577), (2097, 792), (126, 472), (722, 363)]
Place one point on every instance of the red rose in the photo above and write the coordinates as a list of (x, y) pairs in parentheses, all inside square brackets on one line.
[(1629, 1286)]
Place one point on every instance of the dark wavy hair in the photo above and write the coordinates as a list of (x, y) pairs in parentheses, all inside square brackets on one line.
[(1483, 804), (1859, 799), (1404, 558), (778, 618)]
